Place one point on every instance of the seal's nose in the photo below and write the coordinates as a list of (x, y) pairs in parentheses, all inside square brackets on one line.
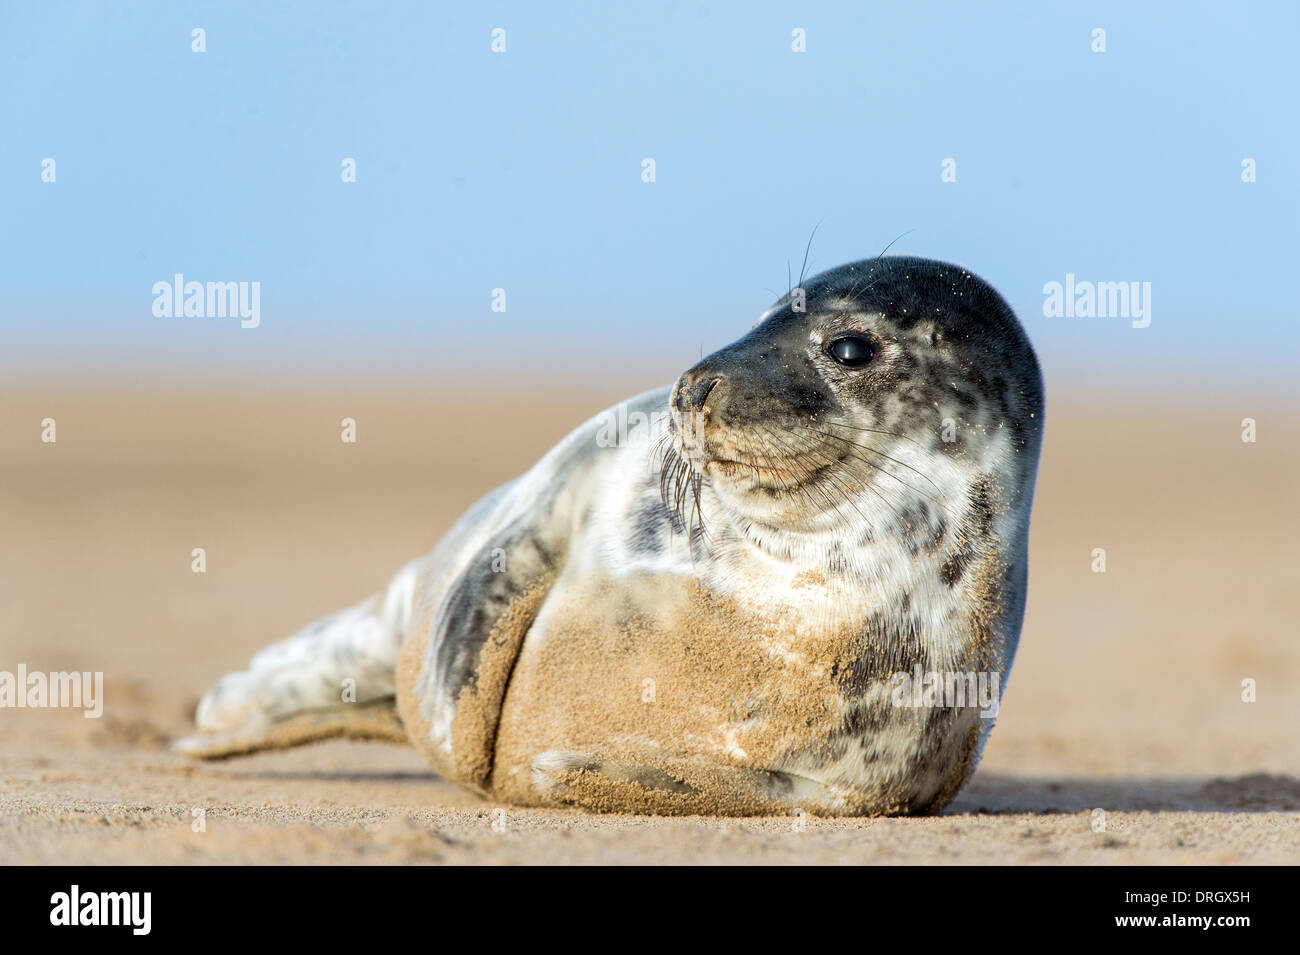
[(692, 388)]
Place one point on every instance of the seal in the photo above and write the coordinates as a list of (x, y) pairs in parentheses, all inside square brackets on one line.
[(794, 580)]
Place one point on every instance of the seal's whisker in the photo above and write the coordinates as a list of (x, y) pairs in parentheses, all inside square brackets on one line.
[(891, 244), (679, 484), (831, 474), (937, 502), (797, 484), (658, 456), (854, 450), (805, 492), (891, 434), (867, 447), (808, 248), (829, 471), (856, 289), (833, 463), (847, 492)]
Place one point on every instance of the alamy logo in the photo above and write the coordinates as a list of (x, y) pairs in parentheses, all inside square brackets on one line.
[(622, 427), (1098, 300), (102, 908), (949, 689), (181, 299), (38, 690)]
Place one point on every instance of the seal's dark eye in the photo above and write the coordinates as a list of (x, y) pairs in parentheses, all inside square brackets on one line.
[(851, 351)]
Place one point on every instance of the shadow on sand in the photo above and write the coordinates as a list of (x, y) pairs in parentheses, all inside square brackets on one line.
[(992, 793), (1001, 793)]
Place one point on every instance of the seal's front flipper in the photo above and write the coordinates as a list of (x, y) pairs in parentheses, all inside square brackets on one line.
[(376, 721), (491, 582), (680, 787), (335, 678)]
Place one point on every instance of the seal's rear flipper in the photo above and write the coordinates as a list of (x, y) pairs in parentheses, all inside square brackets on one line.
[(335, 678), (376, 721)]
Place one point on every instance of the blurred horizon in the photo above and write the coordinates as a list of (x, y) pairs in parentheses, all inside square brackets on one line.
[(522, 171)]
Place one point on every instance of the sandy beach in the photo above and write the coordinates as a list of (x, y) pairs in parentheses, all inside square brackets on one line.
[(1123, 737)]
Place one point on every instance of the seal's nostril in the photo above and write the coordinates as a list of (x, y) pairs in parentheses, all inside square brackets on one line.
[(691, 396)]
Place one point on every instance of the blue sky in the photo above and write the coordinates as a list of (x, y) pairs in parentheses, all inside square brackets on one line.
[(522, 171)]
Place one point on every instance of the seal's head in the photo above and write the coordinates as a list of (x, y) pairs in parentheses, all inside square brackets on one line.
[(858, 397)]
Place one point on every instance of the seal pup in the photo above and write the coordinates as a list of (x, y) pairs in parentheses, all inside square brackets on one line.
[(750, 593)]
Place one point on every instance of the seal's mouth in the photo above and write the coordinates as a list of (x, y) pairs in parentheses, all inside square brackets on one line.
[(750, 461), (770, 474)]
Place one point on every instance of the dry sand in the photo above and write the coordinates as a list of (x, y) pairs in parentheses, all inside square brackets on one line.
[(1125, 697)]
